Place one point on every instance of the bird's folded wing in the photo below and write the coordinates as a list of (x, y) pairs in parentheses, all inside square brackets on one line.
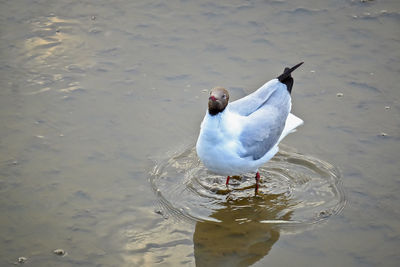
[(252, 102), (261, 132)]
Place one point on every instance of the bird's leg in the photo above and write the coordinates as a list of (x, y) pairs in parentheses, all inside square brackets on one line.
[(227, 180), (257, 180)]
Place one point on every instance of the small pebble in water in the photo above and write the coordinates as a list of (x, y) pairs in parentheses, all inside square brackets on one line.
[(22, 260), (59, 252), (161, 212), (339, 94), (324, 214)]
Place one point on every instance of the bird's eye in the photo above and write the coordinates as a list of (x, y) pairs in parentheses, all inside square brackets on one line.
[(224, 96)]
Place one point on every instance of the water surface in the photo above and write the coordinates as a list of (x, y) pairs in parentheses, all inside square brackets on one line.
[(95, 95)]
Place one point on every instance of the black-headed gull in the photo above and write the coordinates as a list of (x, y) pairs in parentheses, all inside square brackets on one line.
[(239, 137)]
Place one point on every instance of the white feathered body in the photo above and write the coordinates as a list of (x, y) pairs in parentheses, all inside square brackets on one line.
[(227, 141)]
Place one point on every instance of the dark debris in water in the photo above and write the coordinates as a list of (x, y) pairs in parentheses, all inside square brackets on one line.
[(162, 213), (325, 214)]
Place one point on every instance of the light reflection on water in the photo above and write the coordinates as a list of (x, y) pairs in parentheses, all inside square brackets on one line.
[(53, 43)]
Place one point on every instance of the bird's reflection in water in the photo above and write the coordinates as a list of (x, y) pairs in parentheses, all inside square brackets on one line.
[(238, 227), (240, 238)]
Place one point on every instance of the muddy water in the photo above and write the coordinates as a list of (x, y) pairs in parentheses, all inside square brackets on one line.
[(96, 96)]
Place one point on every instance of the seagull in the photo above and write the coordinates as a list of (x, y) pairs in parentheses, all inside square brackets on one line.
[(238, 137)]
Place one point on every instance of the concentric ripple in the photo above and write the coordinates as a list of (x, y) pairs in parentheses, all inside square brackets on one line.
[(294, 189)]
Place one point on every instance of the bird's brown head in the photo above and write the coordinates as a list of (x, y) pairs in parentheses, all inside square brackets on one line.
[(218, 100)]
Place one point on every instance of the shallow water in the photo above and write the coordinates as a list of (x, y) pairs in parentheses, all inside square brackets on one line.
[(95, 96), (295, 190)]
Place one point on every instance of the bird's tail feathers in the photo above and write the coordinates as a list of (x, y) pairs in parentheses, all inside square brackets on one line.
[(286, 78), (292, 122)]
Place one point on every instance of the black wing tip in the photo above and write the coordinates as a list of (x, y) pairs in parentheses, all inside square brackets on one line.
[(286, 78), (286, 73)]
